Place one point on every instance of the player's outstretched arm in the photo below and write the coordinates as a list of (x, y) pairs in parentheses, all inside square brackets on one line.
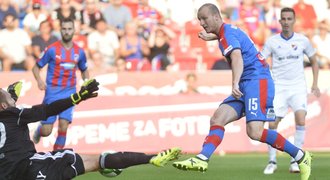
[(43, 111)]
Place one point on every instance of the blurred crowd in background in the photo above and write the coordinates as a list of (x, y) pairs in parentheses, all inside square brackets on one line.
[(147, 35)]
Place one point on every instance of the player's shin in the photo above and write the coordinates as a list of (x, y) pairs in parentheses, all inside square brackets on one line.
[(299, 137), (211, 142), (60, 140), (277, 141)]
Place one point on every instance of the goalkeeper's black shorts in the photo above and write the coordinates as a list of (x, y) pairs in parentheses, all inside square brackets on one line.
[(56, 165)]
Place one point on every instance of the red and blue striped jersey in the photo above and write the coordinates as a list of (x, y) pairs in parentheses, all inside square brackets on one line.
[(255, 66), (62, 64)]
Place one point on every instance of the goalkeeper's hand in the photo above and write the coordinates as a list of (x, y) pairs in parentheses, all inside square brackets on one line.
[(15, 90), (87, 90)]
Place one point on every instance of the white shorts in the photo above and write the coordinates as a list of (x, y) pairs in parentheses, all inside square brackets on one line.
[(294, 97)]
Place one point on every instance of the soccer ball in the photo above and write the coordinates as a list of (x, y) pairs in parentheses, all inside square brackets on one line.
[(107, 172), (110, 172)]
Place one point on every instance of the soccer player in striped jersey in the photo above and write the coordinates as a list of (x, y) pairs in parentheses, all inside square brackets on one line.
[(64, 58), (252, 94), (287, 50)]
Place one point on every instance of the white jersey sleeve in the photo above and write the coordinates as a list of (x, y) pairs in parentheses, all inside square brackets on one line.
[(267, 49), (309, 49)]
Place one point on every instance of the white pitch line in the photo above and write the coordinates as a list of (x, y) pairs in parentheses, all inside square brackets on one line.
[(146, 110)]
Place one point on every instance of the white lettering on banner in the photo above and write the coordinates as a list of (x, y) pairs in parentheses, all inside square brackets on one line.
[(93, 134), (144, 128), (178, 127), (120, 131)]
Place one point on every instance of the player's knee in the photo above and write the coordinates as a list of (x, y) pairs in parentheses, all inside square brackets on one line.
[(46, 131), (273, 125), (62, 128), (254, 134)]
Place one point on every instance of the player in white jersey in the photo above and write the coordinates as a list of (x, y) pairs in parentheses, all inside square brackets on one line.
[(287, 50)]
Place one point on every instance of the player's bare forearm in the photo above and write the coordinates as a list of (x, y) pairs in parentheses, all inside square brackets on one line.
[(207, 36), (36, 74), (237, 71), (315, 70)]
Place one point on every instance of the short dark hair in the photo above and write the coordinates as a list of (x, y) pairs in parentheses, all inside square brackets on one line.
[(66, 20), (287, 9), (45, 22), (10, 14)]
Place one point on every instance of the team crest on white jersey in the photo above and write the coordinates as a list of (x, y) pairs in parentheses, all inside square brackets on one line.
[(294, 47)]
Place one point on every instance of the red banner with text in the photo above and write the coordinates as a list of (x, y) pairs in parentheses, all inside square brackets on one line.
[(146, 112)]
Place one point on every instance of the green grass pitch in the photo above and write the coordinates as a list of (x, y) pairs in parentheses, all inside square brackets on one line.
[(228, 167)]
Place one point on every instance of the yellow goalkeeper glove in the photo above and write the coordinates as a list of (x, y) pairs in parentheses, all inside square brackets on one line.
[(15, 90), (87, 90)]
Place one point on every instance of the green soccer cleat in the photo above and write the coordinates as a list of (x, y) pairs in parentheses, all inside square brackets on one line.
[(306, 166), (165, 156), (192, 164)]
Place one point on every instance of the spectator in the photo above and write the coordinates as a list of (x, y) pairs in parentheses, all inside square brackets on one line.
[(227, 7), (117, 16), (32, 20), (44, 39), (191, 84), (21, 7), (147, 17), (103, 42), (306, 21), (120, 65), (15, 45), (220, 64), (89, 16), (6, 8), (251, 19), (80, 38), (66, 10), (133, 48), (272, 16), (322, 44), (327, 16), (159, 44)]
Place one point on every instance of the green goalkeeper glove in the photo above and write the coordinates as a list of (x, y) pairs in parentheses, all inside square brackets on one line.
[(87, 90), (15, 90)]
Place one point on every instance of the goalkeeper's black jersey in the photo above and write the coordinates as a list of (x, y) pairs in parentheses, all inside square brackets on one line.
[(15, 143)]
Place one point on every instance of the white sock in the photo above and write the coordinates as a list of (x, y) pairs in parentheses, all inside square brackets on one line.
[(272, 153), (299, 137), (299, 155), (202, 157)]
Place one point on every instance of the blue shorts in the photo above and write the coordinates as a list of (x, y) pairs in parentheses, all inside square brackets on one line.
[(53, 94), (257, 100)]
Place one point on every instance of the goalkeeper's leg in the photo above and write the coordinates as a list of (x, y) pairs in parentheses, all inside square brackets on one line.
[(121, 160)]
